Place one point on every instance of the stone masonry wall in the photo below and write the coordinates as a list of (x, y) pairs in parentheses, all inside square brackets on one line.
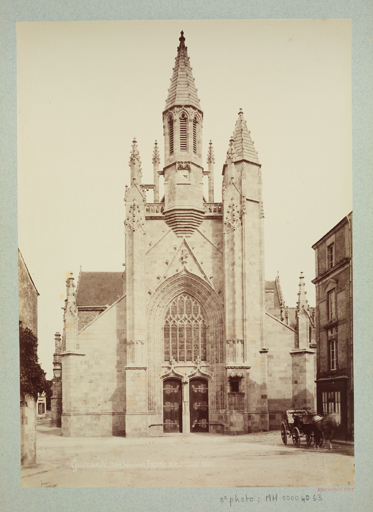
[(96, 402), (280, 340), (27, 298)]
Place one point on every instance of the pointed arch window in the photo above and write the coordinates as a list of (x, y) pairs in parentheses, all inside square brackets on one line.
[(195, 123), (184, 330), (171, 134), (183, 132)]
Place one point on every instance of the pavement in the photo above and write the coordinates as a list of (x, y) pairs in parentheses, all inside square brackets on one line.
[(185, 460)]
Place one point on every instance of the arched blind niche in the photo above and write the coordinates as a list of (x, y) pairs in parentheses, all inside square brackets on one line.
[(184, 330)]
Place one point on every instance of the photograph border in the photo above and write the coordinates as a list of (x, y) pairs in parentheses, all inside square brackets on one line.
[(11, 12)]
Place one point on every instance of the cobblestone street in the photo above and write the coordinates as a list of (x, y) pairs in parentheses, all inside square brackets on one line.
[(176, 460)]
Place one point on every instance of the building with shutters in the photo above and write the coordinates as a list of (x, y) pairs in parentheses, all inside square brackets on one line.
[(190, 337), (334, 325)]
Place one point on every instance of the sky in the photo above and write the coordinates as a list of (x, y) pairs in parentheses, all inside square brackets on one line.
[(86, 89)]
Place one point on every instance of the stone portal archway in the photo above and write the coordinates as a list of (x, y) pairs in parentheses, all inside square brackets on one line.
[(208, 319)]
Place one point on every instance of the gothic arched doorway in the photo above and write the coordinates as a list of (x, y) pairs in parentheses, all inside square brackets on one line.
[(172, 419)]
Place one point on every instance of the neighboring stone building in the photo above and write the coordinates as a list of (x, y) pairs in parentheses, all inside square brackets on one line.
[(334, 325), (28, 318), (27, 297), (181, 341)]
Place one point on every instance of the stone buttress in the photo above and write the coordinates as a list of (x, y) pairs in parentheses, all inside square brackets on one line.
[(136, 335), (244, 278)]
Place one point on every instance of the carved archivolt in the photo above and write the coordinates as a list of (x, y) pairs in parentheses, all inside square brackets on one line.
[(211, 308)]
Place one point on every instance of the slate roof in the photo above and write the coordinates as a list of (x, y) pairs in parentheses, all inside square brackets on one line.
[(182, 90), (271, 286), (99, 288), (243, 145)]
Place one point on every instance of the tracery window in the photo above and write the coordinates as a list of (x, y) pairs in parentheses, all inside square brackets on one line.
[(184, 330)]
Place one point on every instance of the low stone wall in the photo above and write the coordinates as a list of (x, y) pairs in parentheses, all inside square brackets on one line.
[(28, 432)]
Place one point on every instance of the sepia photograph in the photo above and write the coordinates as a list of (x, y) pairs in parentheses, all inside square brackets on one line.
[(185, 253)]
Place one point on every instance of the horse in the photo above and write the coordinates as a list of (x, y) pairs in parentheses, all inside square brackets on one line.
[(325, 425)]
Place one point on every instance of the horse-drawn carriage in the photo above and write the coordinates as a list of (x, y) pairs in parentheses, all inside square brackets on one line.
[(300, 423)]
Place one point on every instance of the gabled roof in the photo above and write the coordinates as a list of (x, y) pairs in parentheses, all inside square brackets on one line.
[(271, 286), (20, 258), (99, 288), (243, 145), (182, 90), (346, 219)]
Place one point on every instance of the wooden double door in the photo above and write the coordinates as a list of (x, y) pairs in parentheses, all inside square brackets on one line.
[(198, 405)]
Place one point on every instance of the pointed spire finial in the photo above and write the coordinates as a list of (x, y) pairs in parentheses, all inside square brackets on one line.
[(156, 157), (182, 90), (135, 162), (134, 155), (302, 301), (210, 154), (231, 152)]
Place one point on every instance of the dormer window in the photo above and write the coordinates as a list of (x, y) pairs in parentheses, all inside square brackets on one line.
[(183, 132), (171, 134)]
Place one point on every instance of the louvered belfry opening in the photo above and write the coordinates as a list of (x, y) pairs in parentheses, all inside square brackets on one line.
[(184, 330), (195, 122), (171, 133), (183, 132)]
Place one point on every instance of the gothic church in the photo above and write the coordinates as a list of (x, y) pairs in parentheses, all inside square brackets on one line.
[(190, 337)]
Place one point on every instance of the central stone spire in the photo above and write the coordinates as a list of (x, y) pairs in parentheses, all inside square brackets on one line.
[(182, 128), (182, 90)]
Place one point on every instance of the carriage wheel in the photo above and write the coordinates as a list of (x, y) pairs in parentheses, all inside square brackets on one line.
[(295, 435), (309, 438), (284, 434)]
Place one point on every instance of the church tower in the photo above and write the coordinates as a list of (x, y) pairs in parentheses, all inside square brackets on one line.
[(243, 269), (182, 128)]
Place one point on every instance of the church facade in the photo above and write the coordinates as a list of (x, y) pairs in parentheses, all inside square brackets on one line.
[(190, 337)]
